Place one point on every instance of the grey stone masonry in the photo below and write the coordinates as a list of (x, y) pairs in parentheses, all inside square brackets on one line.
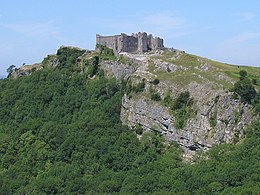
[(137, 42)]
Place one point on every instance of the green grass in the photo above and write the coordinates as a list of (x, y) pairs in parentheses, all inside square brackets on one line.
[(194, 73)]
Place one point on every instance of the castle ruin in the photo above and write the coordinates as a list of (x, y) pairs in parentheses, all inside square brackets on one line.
[(137, 42)]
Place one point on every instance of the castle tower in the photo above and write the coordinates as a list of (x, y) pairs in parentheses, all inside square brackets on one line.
[(142, 42)]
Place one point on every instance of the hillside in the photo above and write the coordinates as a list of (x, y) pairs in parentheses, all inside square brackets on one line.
[(156, 80), (62, 126)]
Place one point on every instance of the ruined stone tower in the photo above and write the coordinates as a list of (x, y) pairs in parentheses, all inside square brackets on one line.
[(139, 42)]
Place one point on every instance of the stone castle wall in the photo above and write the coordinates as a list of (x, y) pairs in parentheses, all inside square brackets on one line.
[(139, 42), (109, 41)]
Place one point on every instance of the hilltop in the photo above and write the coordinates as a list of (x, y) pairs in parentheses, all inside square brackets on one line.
[(91, 122)]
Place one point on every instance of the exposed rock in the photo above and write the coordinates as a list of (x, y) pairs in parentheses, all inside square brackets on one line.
[(25, 70), (118, 70), (198, 134), (165, 66), (218, 117), (51, 61)]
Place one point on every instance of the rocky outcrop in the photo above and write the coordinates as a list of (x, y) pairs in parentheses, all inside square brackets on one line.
[(199, 134), (25, 70), (51, 61), (217, 117), (117, 69)]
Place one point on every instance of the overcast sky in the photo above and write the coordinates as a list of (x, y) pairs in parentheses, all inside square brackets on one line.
[(223, 30)]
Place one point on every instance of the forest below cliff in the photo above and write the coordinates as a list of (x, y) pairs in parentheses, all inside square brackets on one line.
[(60, 133)]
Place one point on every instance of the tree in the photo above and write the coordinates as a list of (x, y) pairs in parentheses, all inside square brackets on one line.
[(242, 74), (254, 82), (245, 90), (10, 69)]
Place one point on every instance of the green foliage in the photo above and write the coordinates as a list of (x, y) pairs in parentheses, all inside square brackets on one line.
[(68, 57), (167, 100), (182, 108), (138, 129), (182, 100), (155, 81), (10, 69), (254, 82), (243, 74), (131, 88), (245, 90), (256, 103), (154, 95), (105, 53), (124, 60), (139, 87), (92, 66), (213, 119)]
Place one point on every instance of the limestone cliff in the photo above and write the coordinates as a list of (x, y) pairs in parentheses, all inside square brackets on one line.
[(218, 117), (231, 117)]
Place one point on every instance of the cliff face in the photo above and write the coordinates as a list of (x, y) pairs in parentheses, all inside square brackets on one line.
[(199, 134), (217, 117)]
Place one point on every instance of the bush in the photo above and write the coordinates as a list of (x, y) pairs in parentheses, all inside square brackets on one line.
[(130, 88), (167, 100), (139, 87), (245, 90), (254, 82), (155, 81), (182, 100), (182, 109), (213, 119), (138, 129), (105, 53), (256, 104), (243, 74), (154, 95), (68, 56), (92, 66)]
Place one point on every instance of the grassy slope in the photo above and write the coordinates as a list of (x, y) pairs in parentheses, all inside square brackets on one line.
[(193, 69)]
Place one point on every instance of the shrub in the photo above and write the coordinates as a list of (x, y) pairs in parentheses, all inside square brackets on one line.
[(138, 129), (139, 87), (254, 82), (182, 109), (256, 103), (245, 90), (105, 53), (242, 74), (213, 119), (68, 56), (154, 95), (167, 100), (156, 81), (130, 88), (182, 100)]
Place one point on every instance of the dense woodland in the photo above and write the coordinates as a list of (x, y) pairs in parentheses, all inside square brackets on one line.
[(60, 133)]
